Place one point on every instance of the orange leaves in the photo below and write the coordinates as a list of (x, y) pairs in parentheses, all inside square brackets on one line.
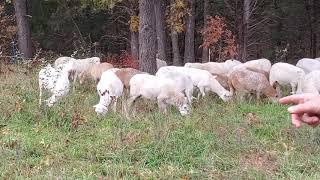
[(212, 33), (217, 37)]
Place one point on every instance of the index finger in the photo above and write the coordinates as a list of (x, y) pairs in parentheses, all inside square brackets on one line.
[(295, 99)]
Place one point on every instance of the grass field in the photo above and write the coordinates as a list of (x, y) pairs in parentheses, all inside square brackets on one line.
[(247, 140)]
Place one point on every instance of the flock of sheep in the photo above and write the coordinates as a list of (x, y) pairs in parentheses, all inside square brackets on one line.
[(174, 85)]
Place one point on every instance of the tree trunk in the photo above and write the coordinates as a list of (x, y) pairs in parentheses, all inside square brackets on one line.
[(314, 13), (175, 44), (147, 37), (205, 51), (159, 8), (135, 45), (189, 38), (246, 17), (24, 34)]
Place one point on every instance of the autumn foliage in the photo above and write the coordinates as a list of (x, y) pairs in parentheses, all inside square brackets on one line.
[(124, 60), (219, 39)]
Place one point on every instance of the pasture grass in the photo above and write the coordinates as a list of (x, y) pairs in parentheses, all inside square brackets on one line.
[(235, 140)]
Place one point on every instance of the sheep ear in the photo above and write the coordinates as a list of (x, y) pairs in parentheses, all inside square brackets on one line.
[(214, 76), (95, 106)]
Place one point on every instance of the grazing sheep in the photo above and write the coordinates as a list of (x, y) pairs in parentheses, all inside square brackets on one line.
[(246, 81), (308, 65), (310, 83), (286, 74), (215, 67), (62, 60), (109, 88), (182, 82), (264, 65), (161, 63), (203, 80), (94, 72), (153, 87), (125, 75), (47, 79), (80, 65), (55, 81)]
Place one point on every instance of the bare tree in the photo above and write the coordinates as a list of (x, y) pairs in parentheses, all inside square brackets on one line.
[(311, 7), (159, 8), (189, 37), (24, 34), (246, 17), (205, 50), (147, 37)]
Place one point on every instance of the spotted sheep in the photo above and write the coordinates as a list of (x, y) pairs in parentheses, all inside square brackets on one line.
[(54, 80)]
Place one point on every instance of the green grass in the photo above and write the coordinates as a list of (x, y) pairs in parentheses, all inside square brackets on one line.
[(236, 140)]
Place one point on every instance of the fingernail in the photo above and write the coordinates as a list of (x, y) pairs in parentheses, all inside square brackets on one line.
[(291, 109)]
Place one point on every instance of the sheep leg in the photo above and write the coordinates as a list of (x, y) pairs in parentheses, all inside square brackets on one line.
[(202, 91), (189, 96), (74, 80), (162, 106), (115, 104), (258, 95), (293, 88), (130, 104), (40, 95)]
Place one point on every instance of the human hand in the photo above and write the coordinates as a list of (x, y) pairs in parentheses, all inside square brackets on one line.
[(306, 109)]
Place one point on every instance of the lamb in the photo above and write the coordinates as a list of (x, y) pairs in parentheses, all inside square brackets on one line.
[(246, 81), (203, 80), (286, 74), (54, 80), (94, 72), (308, 65), (62, 60), (160, 63), (153, 87), (311, 83), (182, 82), (109, 88)]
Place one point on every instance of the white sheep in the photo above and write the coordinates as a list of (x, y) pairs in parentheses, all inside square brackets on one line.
[(308, 65), (286, 74), (310, 83), (182, 82), (203, 80), (160, 63), (109, 88), (55, 81), (162, 89)]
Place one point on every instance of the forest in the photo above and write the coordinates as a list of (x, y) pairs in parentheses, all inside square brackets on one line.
[(178, 31)]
